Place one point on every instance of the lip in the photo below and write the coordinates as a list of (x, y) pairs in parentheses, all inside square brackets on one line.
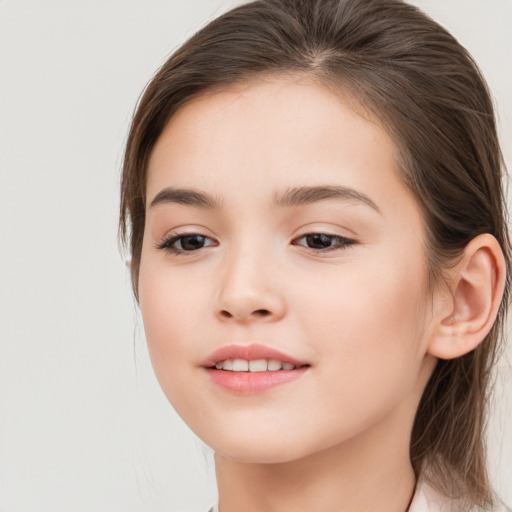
[(251, 383), (249, 353)]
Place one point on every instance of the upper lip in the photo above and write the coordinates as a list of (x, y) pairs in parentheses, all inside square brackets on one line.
[(249, 353)]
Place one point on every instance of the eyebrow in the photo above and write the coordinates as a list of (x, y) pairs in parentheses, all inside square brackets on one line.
[(185, 196), (291, 197), (307, 195)]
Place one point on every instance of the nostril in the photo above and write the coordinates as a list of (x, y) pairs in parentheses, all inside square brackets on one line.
[(258, 312), (262, 312)]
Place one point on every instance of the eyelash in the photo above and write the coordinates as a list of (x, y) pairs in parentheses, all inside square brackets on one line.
[(342, 242), (168, 244)]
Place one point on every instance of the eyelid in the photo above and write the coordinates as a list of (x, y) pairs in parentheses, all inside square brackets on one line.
[(169, 239), (343, 241), (186, 230)]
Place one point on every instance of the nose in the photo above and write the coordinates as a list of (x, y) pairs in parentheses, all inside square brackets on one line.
[(249, 290)]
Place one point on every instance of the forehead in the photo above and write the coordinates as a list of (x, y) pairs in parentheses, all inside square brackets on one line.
[(272, 133)]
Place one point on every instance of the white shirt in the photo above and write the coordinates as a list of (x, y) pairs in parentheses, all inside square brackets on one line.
[(426, 499)]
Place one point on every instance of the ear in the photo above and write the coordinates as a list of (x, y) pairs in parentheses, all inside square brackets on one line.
[(476, 283)]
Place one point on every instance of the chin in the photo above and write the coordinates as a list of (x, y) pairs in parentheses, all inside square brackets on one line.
[(254, 447), (256, 455)]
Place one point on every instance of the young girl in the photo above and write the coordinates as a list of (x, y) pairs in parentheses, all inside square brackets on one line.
[(312, 199)]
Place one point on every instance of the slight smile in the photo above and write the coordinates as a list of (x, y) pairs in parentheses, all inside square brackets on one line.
[(252, 369)]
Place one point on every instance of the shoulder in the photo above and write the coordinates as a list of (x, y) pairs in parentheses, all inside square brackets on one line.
[(427, 499)]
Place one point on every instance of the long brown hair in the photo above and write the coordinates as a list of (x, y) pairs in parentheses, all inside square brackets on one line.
[(429, 94)]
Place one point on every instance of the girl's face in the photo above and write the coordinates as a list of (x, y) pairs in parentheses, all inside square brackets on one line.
[(276, 221)]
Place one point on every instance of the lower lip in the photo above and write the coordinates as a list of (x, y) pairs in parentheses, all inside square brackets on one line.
[(251, 383)]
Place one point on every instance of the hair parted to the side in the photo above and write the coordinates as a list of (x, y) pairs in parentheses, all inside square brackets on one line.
[(427, 91)]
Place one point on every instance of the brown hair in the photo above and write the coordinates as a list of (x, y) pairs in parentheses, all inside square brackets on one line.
[(428, 92)]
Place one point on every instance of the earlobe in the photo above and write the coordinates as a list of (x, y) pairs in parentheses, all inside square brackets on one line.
[(477, 283)]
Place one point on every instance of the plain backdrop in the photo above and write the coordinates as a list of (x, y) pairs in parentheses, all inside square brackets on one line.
[(84, 426)]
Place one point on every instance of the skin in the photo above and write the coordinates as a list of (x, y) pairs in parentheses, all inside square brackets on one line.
[(360, 314)]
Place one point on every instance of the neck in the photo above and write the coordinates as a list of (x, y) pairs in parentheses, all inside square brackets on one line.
[(370, 473)]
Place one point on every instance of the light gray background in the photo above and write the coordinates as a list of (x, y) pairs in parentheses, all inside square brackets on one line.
[(83, 424)]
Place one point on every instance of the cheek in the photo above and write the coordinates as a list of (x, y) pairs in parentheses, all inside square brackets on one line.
[(370, 324), (170, 311)]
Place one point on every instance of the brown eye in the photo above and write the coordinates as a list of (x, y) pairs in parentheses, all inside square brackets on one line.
[(323, 241), (319, 241), (177, 244), (191, 242)]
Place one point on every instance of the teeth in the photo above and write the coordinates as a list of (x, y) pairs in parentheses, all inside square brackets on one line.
[(274, 365), (240, 365), (258, 365)]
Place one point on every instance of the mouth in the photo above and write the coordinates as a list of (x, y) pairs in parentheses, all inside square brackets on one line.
[(254, 366), (252, 369)]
